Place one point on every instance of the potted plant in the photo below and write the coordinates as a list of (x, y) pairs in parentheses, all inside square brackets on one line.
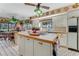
[(13, 20)]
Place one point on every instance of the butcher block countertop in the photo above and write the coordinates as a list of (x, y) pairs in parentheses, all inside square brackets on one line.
[(47, 37)]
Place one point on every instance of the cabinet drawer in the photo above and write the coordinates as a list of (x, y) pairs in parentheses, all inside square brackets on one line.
[(40, 43)]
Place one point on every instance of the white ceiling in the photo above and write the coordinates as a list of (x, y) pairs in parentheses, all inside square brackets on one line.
[(22, 11)]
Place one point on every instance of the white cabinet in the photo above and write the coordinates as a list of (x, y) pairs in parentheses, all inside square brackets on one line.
[(21, 45), (60, 20), (17, 37), (63, 40), (31, 47), (25, 46), (74, 13), (28, 47), (72, 40), (72, 21), (42, 48)]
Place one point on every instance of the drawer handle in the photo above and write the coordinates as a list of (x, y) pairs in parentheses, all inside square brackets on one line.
[(40, 43)]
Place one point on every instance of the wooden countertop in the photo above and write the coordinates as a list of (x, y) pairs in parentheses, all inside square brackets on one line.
[(47, 37)]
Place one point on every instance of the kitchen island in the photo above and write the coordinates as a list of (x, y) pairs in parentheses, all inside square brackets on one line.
[(42, 45)]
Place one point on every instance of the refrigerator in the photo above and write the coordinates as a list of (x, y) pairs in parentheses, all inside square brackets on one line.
[(73, 33)]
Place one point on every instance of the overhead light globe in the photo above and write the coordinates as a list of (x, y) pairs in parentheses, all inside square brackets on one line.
[(38, 12)]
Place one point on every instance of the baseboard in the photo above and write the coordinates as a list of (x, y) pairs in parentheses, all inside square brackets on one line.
[(63, 46), (73, 49)]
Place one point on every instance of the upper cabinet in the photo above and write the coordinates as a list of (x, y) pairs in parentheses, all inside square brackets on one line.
[(72, 18), (74, 13), (72, 22), (60, 20)]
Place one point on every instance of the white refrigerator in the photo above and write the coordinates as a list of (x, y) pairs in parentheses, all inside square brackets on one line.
[(73, 41)]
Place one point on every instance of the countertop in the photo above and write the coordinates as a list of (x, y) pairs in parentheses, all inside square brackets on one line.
[(47, 37)]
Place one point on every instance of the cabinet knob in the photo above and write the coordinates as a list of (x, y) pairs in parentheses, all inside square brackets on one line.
[(40, 43)]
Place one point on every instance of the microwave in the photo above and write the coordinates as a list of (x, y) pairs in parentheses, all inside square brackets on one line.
[(73, 29)]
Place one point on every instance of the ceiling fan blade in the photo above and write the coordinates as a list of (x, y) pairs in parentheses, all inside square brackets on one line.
[(30, 4), (45, 7)]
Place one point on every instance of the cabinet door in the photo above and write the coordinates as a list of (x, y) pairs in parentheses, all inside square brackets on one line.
[(42, 48), (60, 20), (72, 22), (28, 47), (21, 45), (17, 37), (74, 13), (72, 40)]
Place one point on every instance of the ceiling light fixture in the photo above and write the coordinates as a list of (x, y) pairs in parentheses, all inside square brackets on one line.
[(38, 11)]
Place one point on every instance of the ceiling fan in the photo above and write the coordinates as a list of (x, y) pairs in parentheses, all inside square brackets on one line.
[(37, 5)]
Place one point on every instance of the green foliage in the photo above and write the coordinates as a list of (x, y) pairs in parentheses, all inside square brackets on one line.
[(13, 20)]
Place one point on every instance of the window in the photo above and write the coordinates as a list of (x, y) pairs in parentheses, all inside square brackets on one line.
[(47, 25), (6, 26)]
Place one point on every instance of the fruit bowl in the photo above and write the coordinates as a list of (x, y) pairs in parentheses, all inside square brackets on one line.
[(37, 33)]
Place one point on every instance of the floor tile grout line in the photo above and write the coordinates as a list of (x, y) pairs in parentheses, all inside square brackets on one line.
[(4, 49), (10, 49), (13, 49), (7, 47), (0, 48)]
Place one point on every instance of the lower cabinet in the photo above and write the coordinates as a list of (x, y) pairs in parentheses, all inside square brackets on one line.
[(29, 50), (21, 46), (42, 48), (17, 37), (30, 47)]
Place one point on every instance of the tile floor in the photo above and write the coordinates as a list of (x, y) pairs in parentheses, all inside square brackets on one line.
[(7, 48), (66, 52)]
